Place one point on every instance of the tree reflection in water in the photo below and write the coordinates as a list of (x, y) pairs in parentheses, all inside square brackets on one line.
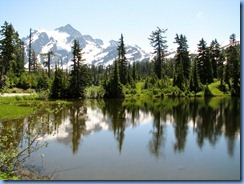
[(209, 118), (116, 112), (78, 116), (157, 141)]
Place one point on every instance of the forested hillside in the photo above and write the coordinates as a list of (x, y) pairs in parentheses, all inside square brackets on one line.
[(211, 71)]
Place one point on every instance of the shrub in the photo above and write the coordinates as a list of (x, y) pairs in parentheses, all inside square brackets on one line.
[(207, 91), (94, 92)]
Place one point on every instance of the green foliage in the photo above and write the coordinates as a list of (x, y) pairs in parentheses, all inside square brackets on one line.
[(195, 84), (180, 79), (11, 80), (113, 88), (94, 92), (9, 149), (8, 111), (7, 176), (204, 64), (122, 62), (215, 56), (182, 57), (158, 42), (79, 73), (158, 77), (13, 152), (57, 86), (11, 51), (207, 91), (233, 66), (28, 80), (43, 81), (13, 108)]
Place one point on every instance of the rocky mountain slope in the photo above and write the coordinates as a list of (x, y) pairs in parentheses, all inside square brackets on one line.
[(60, 41)]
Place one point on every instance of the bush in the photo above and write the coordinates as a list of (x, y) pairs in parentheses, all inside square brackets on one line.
[(223, 88), (94, 92), (156, 91), (44, 94), (28, 80), (207, 91)]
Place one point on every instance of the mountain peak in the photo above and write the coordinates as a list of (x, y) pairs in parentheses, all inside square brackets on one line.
[(95, 50), (70, 30)]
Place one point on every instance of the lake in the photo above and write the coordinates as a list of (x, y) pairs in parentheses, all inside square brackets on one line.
[(155, 139)]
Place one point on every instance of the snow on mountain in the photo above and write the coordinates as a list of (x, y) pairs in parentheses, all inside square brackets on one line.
[(95, 51)]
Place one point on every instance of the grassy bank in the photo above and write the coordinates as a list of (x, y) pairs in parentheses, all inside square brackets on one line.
[(16, 107), (214, 89)]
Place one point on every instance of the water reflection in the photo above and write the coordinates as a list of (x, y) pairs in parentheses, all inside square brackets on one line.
[(115, 111), (208, 119)]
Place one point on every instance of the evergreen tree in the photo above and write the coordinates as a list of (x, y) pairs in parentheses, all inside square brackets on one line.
[(34, 64), (227, 74), (215, 56), (122, 62), (57, 88), (134, 72), (182, 54), (48, 62), (11, 50), (6, 47), (43, 82), (203, 63), (195, 84), (220, 68), (158, 42), (233, 64), (180, 80), (182, 63), (113, 87), (79, 73)]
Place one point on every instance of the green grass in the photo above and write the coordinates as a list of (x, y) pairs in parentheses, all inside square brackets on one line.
[(14, 107), (13, 111), (214, 88), (22, 106)]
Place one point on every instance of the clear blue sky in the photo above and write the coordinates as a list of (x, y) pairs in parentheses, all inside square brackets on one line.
[(136, 19)]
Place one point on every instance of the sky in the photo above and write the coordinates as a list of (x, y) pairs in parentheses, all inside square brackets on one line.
[(135, 19)]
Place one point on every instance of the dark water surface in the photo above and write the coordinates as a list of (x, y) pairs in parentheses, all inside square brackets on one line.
[(170, 139)]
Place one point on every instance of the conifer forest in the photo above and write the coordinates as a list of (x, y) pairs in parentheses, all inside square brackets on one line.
[(212, 71)]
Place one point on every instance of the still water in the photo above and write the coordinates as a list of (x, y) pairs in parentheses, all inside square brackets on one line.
[(169, 139)]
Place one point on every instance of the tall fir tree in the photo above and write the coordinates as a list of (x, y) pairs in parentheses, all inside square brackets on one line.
[(47, 63), (233, 65), (113, 87), (182, 54), (180, 80), (158, 42), (34, 64), (57, 87), (122, 61), (195, 84), (134, 72), (79, 73), (215, 56), (11, 50), (203, 63), (220, 68), (182, 63)]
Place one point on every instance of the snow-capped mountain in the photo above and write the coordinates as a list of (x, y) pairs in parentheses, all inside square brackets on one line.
[(95, 51)]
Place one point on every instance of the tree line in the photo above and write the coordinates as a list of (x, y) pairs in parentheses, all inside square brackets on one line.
[(185, 72)]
